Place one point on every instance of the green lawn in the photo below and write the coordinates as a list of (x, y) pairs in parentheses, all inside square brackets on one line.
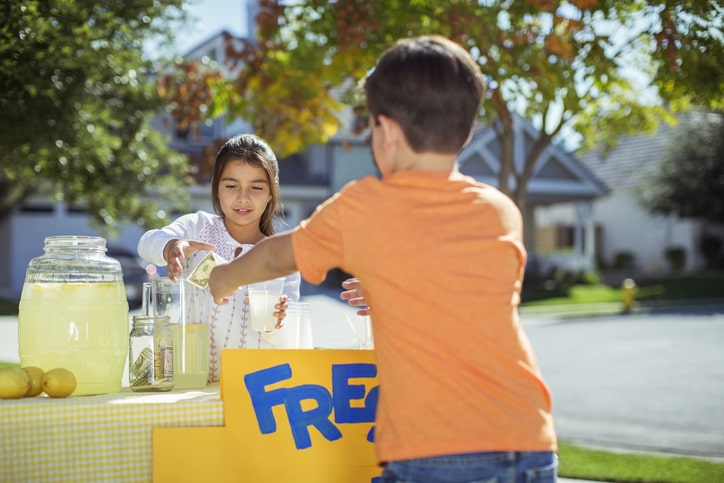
[(600, 465), (578, 294), (653, 291), (679, 288)]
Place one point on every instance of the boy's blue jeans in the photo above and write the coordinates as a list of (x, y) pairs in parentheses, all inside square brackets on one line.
[(493, 467)]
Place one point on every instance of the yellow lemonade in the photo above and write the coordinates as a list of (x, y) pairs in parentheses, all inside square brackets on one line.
[(82, 327), (190, 355)]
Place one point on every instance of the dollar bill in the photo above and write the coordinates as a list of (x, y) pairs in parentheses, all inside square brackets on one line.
[(201, 274)]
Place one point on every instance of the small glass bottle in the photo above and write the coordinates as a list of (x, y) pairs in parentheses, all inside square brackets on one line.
[(150, 359)]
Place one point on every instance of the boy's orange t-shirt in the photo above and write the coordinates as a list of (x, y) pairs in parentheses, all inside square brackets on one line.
[(441, 259)]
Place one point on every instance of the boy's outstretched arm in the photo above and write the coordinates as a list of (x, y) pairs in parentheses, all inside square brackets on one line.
[(272, 257)]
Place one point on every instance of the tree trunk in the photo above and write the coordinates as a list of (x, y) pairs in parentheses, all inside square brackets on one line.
[(506, 140), (508, 171), (524, 177)]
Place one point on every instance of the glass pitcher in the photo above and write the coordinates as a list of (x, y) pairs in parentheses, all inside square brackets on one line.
[(177, 300), (73, 313)]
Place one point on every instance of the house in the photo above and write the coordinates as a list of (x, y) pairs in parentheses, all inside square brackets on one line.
[(630, 239)]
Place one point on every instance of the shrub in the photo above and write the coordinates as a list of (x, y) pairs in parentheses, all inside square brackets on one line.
[(676, 257), (591, 277), (623, 259)]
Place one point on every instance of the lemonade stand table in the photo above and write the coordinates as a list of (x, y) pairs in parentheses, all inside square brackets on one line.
[(105, 438)]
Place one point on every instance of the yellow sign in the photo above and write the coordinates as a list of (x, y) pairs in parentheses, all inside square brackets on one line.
[(289, 415)]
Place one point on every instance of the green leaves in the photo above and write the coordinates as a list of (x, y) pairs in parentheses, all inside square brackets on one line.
[(584, 71), (77, 100), (690, 183)]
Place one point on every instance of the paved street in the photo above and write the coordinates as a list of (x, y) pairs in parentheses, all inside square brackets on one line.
[(651, 382)]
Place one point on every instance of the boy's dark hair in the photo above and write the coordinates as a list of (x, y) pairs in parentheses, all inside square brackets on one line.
[(430, 86), (255, 151)]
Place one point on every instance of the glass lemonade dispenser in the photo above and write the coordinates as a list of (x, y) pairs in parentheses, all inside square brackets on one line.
[(73, 313)]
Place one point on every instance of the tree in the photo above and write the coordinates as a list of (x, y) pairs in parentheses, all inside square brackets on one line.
[(77, 99), (568, 66), (690, 182)]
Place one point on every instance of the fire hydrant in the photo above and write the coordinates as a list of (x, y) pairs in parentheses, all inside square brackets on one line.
[(628, 293)]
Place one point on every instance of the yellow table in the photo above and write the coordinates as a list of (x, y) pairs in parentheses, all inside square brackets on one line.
[(105, 438)]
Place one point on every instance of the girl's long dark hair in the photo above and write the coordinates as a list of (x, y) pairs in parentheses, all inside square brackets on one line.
[(255, 151)]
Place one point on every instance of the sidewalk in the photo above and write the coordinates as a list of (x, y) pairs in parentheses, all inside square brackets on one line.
[(9, 339)]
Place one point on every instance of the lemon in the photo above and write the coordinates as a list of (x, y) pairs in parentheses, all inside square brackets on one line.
[(14, 383), (59, 382), (35, 374)]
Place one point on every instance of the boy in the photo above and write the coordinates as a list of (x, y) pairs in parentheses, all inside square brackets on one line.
[(441, 260)]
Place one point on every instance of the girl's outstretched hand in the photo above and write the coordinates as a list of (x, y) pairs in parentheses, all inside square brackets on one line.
[(176, 251), (280, 309), (354, 294)]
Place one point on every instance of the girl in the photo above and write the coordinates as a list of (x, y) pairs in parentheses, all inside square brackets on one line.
[(245, 195)]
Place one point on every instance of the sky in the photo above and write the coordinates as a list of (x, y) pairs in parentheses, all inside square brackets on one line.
[(210, 17)]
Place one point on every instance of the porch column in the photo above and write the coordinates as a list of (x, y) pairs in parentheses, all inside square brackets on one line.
[(584, 238), (529, 228)]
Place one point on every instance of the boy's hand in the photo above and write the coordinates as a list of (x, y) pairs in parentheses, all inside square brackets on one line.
[(218, 286), (355, 295)]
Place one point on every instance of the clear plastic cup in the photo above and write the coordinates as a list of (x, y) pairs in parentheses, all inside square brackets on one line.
[(263, 296)]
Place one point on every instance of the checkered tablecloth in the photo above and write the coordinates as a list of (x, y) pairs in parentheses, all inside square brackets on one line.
[(105, 438)]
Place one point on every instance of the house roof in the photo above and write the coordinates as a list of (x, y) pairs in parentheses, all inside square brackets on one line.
[(209, 42), (631, 160), (559, 176), (635, 158)]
